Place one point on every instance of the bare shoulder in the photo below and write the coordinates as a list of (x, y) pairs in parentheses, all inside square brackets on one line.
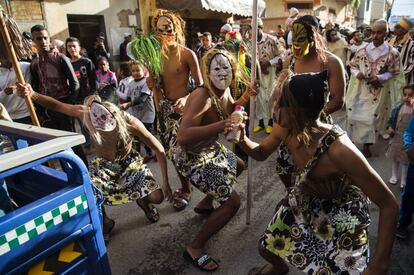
[(333, 60), (198, 97), (286, 62), (187, 52), (343, 152)]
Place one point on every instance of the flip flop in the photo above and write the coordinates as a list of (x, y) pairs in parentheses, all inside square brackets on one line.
[(180, 200), (203, 211), (152, 214), (200, 262)]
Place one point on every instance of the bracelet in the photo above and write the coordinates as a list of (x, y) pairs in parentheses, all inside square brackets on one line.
[(35, 96)]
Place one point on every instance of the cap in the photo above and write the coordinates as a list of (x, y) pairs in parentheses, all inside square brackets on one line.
[(126, 34), (226, 28)]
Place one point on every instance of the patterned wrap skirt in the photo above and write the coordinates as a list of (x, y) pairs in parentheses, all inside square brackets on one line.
[(124, 180), (168, 123), (212, 171), (321, 236)]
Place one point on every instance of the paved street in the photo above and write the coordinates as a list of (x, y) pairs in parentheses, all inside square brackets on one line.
[(138, 247)]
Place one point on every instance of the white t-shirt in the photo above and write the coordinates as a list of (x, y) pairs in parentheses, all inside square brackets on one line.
[(144, 111), (355, 48), (15, 105)]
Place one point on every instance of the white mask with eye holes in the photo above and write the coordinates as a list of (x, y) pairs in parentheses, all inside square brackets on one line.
[(101, 118), (221, 73)]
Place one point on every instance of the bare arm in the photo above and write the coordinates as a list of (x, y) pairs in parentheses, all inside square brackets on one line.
[(336, 82), (51, 103), (347, 158), (268, 145), (138, 129), (191, 130)]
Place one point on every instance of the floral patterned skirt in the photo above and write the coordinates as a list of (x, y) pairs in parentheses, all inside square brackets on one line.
[(122, 181), (168, 123), (212, 171), (322, 236)]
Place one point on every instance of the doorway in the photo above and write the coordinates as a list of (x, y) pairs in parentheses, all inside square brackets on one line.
[(85, 28)]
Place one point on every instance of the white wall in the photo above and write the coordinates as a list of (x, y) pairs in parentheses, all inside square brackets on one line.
[(57, 23)]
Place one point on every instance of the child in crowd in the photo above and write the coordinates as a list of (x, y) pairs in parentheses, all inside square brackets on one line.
[(104, 75), (399, 120), (137, 99)]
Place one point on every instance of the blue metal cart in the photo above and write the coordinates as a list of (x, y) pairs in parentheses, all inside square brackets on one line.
[(56, 227)]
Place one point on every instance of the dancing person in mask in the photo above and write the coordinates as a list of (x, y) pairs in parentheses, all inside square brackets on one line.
[(309, 54), (178, 62), (117, 169), (201, 159), (321, 225)]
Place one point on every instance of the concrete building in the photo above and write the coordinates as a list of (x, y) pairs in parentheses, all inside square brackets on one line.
[(79, 18)]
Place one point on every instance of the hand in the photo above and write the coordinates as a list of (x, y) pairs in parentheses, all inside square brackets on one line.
[(103, 85), (253, 90), (166, 189), (373, 80), (151, 80), (179, 104), (24, 90), (360, 76), (125, 106)]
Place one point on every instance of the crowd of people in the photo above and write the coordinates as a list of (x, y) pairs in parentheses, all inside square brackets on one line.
[(305, 74)]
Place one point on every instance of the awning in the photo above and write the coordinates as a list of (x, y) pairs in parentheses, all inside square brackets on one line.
[(239, 7)]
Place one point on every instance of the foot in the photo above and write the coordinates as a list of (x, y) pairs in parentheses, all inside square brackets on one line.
[(257, 129), (393, 180), (402, 185), (199, 259), (268, 269), (150, 211), (181, 199), (268, 129), (402, 232)]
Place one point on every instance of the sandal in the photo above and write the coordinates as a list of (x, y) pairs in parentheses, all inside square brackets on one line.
[(151, 214), (200, 262), (180, 200)]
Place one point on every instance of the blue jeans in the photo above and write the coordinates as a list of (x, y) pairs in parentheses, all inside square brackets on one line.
[(407, 198)]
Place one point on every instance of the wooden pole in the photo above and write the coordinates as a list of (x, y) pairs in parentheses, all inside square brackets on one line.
[(252, 110), (13, 58)]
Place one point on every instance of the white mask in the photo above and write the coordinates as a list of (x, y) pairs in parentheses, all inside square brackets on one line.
[(165, 26), (220, 74), (101, 118)]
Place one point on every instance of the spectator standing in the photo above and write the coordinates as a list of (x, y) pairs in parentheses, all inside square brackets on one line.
[(84, 69), (368, 34), (123, 56), (99, 50), (58, 45), (104, 75), (400, 117), (358, 43), (53, 75), (138, 101), (405, 45), (337, 45), (15, 105), (407, 195), (369, 95), (206, 44)]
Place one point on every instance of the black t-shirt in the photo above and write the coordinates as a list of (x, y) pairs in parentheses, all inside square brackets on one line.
[(86, 75)]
